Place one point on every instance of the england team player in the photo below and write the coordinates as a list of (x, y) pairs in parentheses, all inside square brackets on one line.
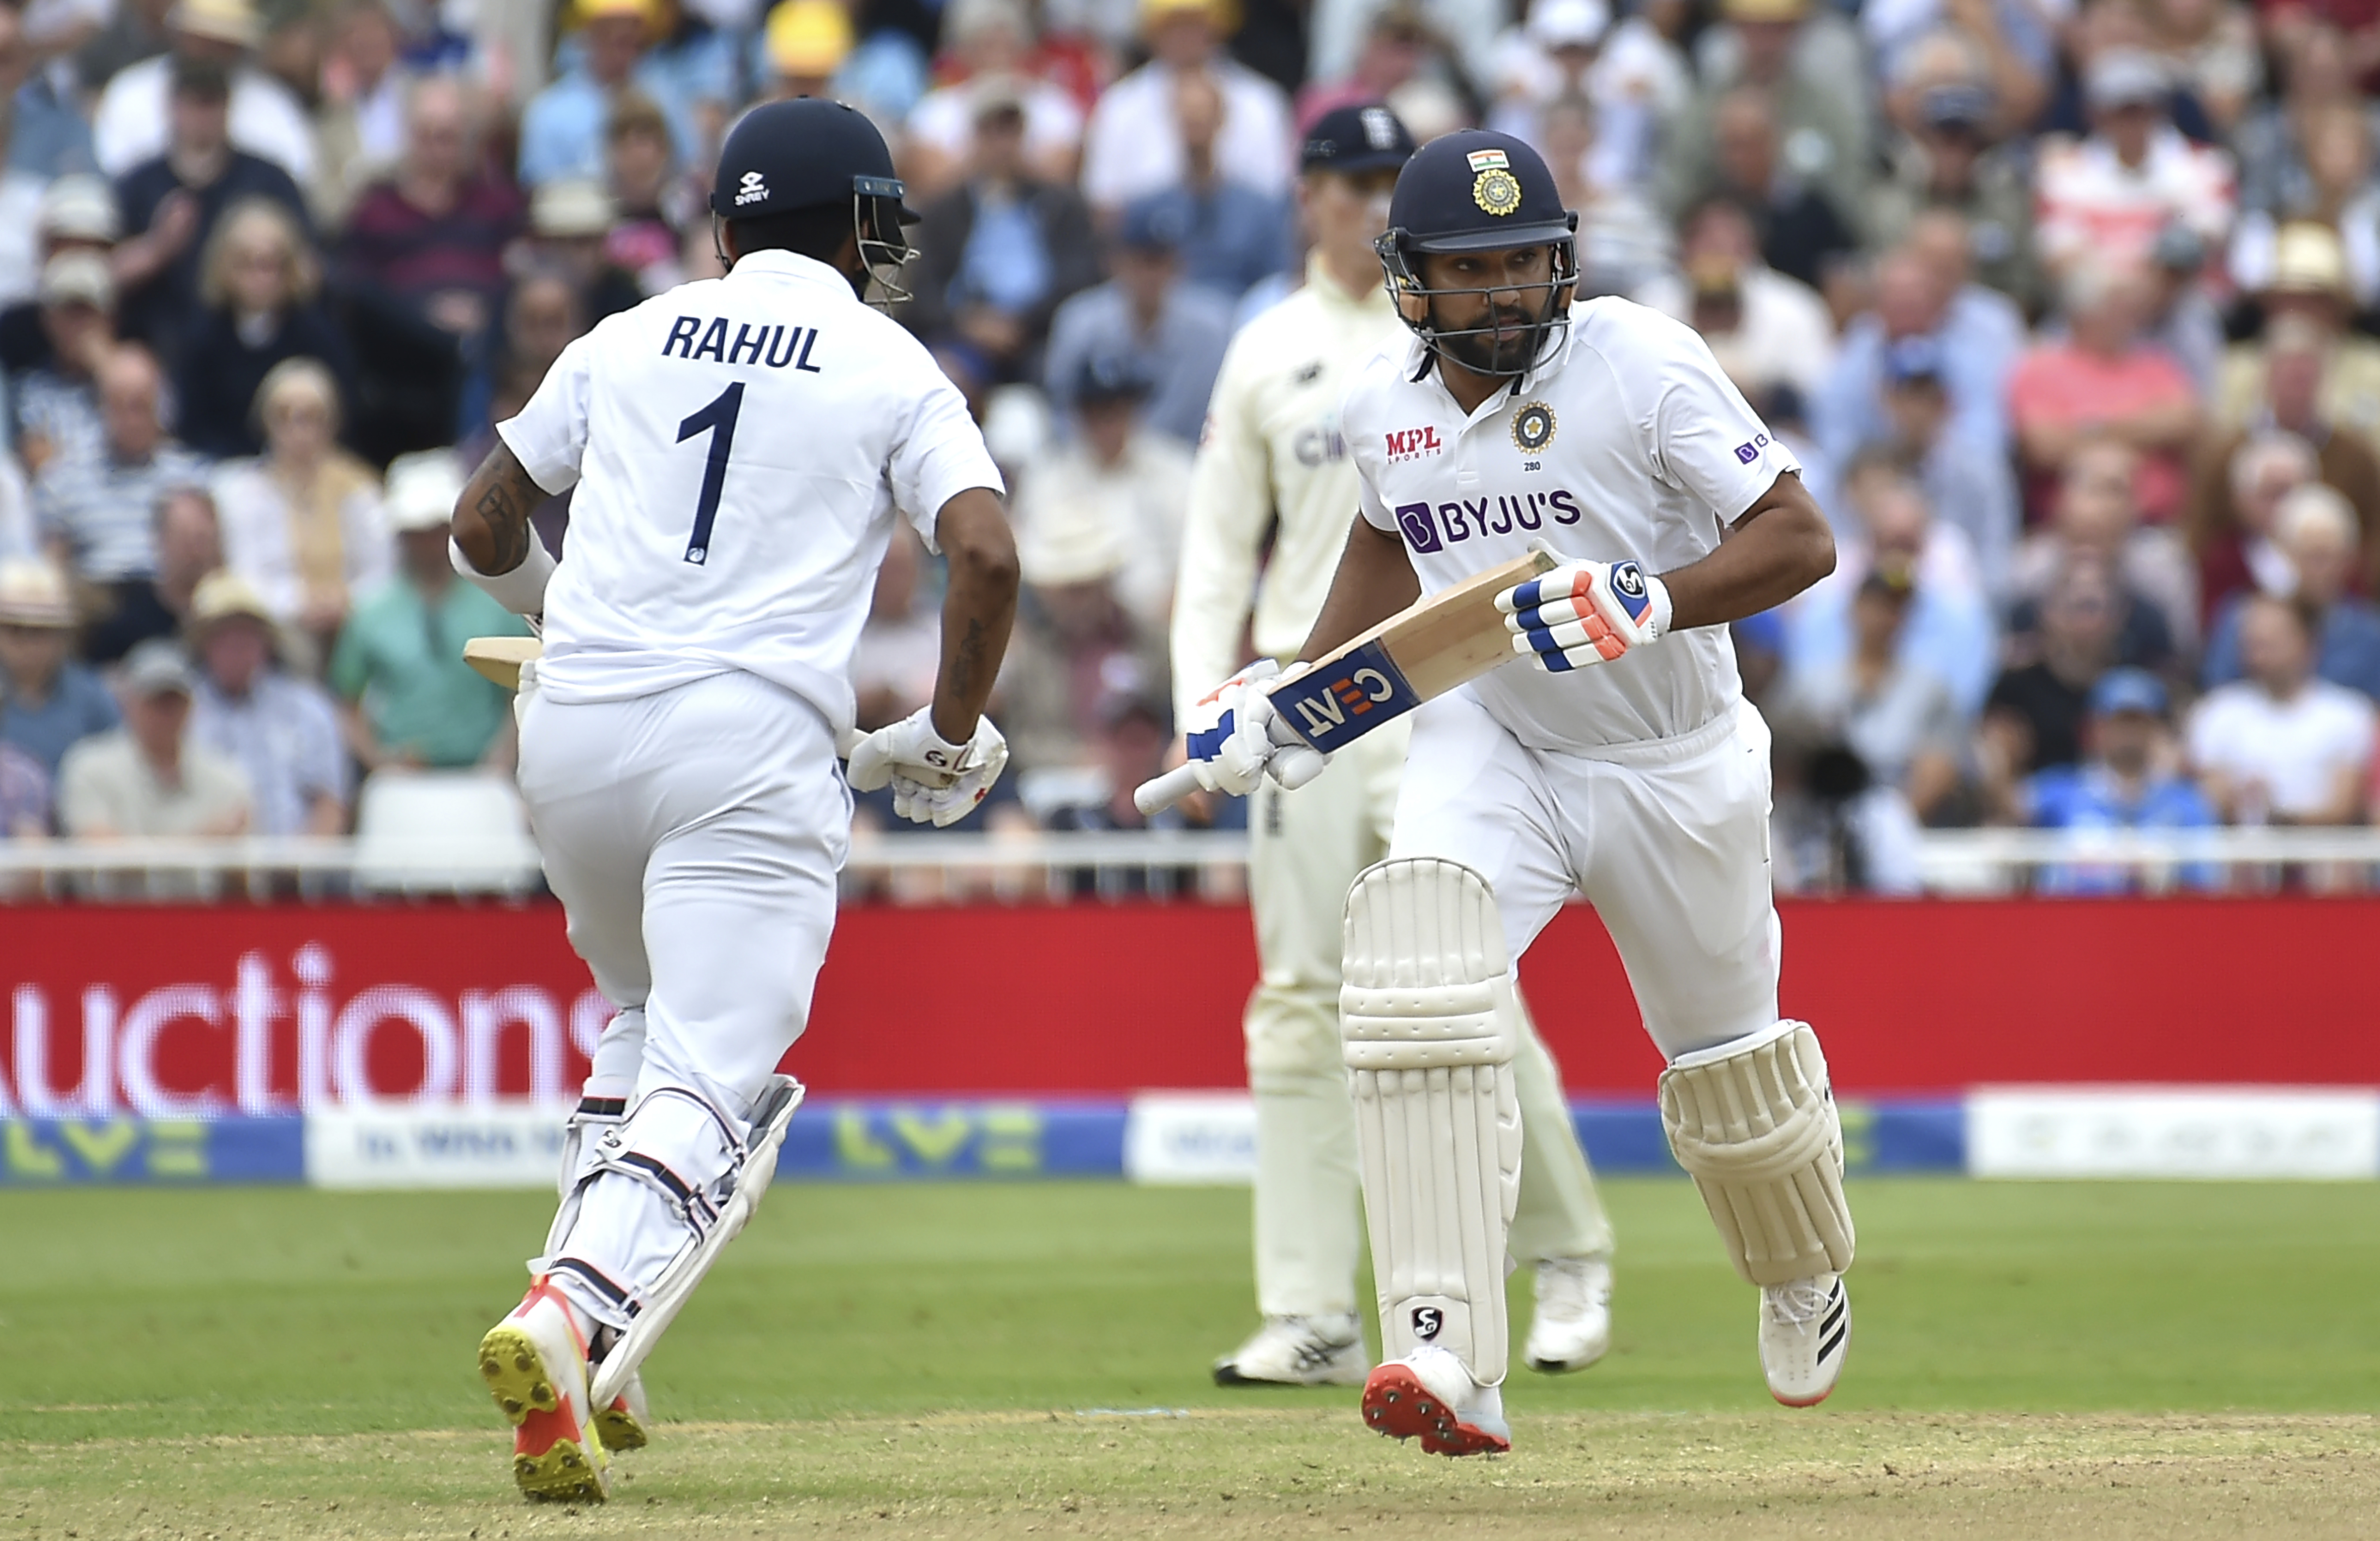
[(1273, 465), (1618, 761), (740, 447)]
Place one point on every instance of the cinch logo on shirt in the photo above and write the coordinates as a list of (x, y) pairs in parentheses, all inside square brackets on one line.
[(1433, 528), (1750, 452), (773, 345), (752, 189), (1413, 444)]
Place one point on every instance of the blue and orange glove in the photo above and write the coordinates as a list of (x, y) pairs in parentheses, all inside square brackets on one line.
[(1585, 613)]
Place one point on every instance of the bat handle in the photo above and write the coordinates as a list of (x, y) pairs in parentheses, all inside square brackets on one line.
[(1155, 796)]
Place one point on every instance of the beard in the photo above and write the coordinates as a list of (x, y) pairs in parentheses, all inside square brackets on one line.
[(1508, 349)]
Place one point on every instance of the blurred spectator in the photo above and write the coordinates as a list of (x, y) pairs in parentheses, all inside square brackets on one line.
[(280, 730), (561, 127), (1780, 124), (147, 778), (1171, 332), (1623, 245), (173, 202), (2234, 491), (2130, 781), (1898, 717), (2339, 195), (900, 652), (2305, 308), (361, 128), (1116, 473), (569, 222), (1969, 489), (1912, 301), (1133, 145), (1801, 227), (407, 697), (2106, 198), (1232, 234), (2182, 317), (20, 534), (40, 140), (57, 401), (217, 38), (2318, 74), (652, 210), (1948, 631), (1406, 60), (189, 546), (1076, 646), (1000, 250), (1833, 828), (2034, 719), (24, 797), (1984, 319), (77, 213), (2097, 520), (1133, 739), (260, 286), (49, 702), (98, 510), (2315, 532), (433, 232), (2233, 510), (1566, 51), (2212, 48), (1765, 328), (2104, 382), (2006, 48), (302, 522), (135, 31), (2281, 745), (986, 53), (1951, 161), (805, 44)]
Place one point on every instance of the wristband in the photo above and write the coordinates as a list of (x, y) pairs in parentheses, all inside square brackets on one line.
[(522, 590)]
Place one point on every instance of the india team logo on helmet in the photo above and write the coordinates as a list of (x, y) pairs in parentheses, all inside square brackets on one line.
[(1493, 186)]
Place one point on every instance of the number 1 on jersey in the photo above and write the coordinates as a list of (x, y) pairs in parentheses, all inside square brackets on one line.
[(718, 420)]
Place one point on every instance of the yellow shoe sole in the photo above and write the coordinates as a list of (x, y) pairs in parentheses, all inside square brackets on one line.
[(548, 1460), (619, 1430)]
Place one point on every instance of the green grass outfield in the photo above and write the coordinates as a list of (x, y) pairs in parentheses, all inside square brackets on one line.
[(144, 1331)]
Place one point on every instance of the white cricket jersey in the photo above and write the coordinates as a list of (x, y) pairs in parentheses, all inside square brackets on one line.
[(1628, 441), (1272, 458), (739, 445)]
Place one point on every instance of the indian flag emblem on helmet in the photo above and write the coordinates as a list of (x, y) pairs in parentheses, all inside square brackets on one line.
[(1496, 190)]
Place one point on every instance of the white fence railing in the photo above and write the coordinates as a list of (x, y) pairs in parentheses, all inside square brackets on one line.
[(1190, 864)]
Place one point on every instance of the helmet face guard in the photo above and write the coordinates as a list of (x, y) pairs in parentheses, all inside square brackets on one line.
[(877, 214), (1400, 253)]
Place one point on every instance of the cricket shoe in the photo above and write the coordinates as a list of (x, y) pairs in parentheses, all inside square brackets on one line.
[(535, 1364), (1805, 1330), (1298, 1350), (1430, 1394), (1572, 1326), (622, 1425)]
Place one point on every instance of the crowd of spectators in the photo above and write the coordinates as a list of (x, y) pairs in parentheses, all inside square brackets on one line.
[(2067, 306)]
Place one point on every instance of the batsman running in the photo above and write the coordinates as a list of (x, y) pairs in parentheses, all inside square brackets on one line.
[(740, 447), (1598, 445), (1273, 462)]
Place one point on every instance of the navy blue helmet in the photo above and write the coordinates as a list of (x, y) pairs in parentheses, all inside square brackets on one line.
[(807, 153), (1474, 191)]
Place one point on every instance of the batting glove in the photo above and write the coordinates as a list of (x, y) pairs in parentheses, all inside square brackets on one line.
[(933, 781), (1585, 613), (1233, 736)]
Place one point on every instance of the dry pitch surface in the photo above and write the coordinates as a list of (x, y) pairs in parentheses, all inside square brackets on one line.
[(933, 1361)]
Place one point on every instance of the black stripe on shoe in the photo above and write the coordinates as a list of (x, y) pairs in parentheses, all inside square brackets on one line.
[(1837, 1314), (1832, 1344)]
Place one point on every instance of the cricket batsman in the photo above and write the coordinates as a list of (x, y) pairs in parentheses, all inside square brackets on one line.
[(1274, 461), (741, 447), (1616, 760)]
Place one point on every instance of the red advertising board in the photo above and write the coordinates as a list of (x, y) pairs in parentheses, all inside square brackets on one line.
[(173, 1012)]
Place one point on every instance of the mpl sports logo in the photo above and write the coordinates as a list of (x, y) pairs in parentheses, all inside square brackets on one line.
[(752, 189), (1413, 444)]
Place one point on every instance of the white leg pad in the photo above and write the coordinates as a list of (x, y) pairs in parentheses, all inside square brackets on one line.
[(1429, 1028), (1755, 1125)]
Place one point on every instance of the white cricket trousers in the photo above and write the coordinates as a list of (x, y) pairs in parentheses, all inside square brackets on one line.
[(1667, 840), (1304, 849), (694, 837)]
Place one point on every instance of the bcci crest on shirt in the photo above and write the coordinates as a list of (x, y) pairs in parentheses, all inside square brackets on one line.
[(1532, 426)]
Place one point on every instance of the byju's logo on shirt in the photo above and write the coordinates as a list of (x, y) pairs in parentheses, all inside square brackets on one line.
[(752, 189), (1434, 526), (1750, 452), (1413, 444)]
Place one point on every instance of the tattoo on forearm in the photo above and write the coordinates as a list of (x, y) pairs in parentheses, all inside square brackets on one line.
[(967, 665), (507, 495)]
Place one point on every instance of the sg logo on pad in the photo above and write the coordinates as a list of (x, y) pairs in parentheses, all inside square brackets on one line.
[(1427, 1321)]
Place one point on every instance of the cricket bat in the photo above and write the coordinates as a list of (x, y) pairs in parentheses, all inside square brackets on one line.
[(500, 659), (1421, 652)]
